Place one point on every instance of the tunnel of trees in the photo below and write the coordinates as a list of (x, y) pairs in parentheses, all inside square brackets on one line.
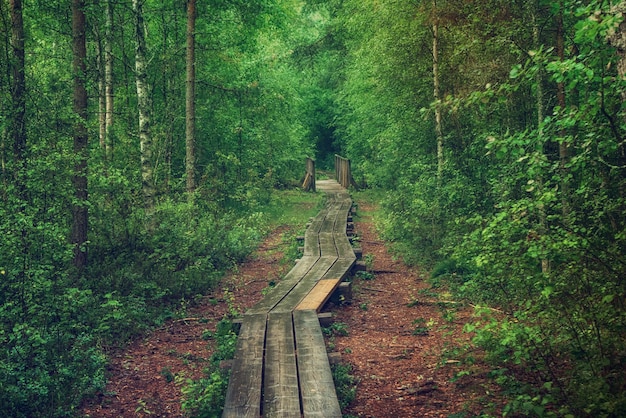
[(140, 142)]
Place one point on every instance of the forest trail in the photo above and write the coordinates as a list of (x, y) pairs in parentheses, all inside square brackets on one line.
[(281, 366), (397, 371)]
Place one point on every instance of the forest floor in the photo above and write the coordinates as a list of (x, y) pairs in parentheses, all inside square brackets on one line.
[(403, 340)]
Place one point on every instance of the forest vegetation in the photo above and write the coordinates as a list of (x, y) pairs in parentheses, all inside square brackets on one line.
[(144, 145)]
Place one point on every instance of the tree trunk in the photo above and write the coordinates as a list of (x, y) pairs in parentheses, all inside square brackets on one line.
[(108, 78), (18, 90), (437, 95), (79, 179), (144, 107), (563, 143), (101, 93), (190, 114), (17, 124), (545, 263), (618, 40), (17, 134)]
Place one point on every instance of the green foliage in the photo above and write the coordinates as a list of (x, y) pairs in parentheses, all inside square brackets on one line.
[(365, 275), (422, 327), (345, 383), (51, 360), (250, 140), (225, 342), (205, 397), (527, 216), (336, 329)]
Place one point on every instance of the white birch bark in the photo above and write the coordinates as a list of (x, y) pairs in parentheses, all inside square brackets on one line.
[(144, 106), (190, 111)]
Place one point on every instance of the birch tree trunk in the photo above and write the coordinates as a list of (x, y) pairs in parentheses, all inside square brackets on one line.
[(79, 179), (437, 95), (190, 113), (101, 92), (108, 78), (144, 109)]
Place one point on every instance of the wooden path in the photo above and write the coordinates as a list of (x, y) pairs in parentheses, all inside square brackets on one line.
[(281, 367)]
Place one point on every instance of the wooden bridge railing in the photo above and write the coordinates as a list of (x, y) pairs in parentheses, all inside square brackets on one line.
[(343, 172), (309, 178)]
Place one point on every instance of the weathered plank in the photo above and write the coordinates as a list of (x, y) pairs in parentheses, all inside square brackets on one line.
[(343, 247), (285, 286), (318, 296), (243, 396), (319, 398), (342, 216), (305, 285), (340, 269), (327, 244), (281, 390), (328, 225), (311, 241)]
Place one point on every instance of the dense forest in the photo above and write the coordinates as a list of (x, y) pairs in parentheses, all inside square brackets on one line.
[(142, 143)]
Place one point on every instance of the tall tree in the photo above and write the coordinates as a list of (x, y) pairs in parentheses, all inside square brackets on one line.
[(108, 77), (105, 79), (79, 178), (618, 39), (144, 106), (436, 93), (539, 100), (190, 113), (563, 142), (18, 90)]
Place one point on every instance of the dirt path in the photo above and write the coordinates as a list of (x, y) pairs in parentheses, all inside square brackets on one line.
[(402, 344)]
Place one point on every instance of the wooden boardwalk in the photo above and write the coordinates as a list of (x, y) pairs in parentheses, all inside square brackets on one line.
[(281, 367)]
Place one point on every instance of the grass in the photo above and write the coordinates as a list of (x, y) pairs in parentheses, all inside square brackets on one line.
[(371, 198), (292, 208)]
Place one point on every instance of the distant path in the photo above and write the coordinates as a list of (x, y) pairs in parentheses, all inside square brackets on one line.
[(281, 367)]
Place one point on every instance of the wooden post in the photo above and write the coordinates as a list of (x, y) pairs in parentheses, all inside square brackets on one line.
[(343, 172), (309, 177)]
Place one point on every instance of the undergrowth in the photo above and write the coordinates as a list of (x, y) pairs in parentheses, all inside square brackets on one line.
[(205, 397), (345, 383)]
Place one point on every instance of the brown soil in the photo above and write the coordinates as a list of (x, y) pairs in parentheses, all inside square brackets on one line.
[(403, 345)]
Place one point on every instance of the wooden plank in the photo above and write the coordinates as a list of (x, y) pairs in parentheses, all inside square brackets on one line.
[(243, 396), (341, 268), (328, 225), (311, 240), (318, 219), (311, 243), (306, 184), (281, 390), (343, 246), (327, 244), (305, 285), (318, 296), (278, 293), (319, 398)]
